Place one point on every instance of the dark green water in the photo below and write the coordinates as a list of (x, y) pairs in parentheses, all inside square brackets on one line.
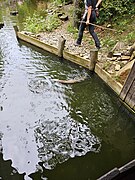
[(52, 131)]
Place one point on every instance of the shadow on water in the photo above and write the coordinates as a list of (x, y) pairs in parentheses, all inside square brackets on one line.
[(53, 131)]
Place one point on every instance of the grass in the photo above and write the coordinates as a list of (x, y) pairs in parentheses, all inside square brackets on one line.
[(123, 25), (125, 32)]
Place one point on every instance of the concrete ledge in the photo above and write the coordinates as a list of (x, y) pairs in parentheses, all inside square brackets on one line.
[(117, 87), (37, 43), (110, 175), (106, 77), (128, 166), (76, 59), (124, 173)]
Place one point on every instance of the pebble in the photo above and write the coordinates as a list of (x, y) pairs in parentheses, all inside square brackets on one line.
[(117, 67)]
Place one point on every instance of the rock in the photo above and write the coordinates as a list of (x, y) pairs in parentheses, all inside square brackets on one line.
[(113, 59), (38, 35), (120, 46), (117, 54), (109, 26), (125, 62), (86, 57), (126, 53), (117, 67), (110, 71), (60, 14), (63, 17), (60, 5), (81, 55), (14, 13), (124, 58), (118, 58), (1, 25), (69, 2)]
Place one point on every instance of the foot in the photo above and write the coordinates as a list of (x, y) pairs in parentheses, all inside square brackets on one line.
[(76, 44), (98, 47)]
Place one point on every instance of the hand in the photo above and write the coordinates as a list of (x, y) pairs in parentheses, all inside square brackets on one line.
[(87, 22)]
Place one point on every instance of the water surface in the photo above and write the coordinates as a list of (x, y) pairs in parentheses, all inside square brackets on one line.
[(54, 131)]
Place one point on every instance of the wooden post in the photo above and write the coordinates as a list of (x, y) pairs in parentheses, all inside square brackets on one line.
[(61, 45), (93, 59), (16, 29)]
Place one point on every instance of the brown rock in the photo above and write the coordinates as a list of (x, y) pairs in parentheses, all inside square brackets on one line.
[(124, 58)]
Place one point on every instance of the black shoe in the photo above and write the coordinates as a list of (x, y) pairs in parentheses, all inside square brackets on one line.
[(76, 44), (98, 47)]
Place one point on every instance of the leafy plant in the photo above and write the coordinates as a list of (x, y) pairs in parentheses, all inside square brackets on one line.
[(111, 10), (52, 22), (35, 23), (38, 23), (130, 37), (72, 29)]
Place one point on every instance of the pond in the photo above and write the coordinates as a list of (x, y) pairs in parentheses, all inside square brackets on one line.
[(53, 131)]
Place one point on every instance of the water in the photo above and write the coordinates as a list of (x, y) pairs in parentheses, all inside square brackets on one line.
[(53, 131)]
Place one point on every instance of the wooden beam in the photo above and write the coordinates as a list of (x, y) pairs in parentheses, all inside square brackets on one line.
[(128, 83), (130, 98)]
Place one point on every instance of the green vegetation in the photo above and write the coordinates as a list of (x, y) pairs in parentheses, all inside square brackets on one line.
[(72, 30), (119, 15), (125, 31), (38, 23), (111, 10), (35, 23)]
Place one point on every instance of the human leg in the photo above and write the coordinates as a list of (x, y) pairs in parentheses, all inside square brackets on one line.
[(80, 33), (94, 35)]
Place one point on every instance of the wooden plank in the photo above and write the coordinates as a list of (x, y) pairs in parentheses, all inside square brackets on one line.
[(130, 98), (128, 83), (37, 43), (132, 101), (107, 78), (130, 92)]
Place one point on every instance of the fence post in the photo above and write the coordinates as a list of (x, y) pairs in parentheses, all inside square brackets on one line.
[(93, 58), (16, 29), (61, 45)]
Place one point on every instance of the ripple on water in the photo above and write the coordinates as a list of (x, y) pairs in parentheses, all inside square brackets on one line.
[(59, 141)]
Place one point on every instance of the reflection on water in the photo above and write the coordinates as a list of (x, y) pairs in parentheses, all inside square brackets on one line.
[(35, 117), (62, 139), (53, 131)]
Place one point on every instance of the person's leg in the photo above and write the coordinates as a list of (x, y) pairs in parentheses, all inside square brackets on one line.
[(80, 33), (94, 35), (92, 28)]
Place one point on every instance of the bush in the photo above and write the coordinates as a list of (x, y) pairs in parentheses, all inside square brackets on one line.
[(35, 23), (52, 22), (38, 23), (111, 10)]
